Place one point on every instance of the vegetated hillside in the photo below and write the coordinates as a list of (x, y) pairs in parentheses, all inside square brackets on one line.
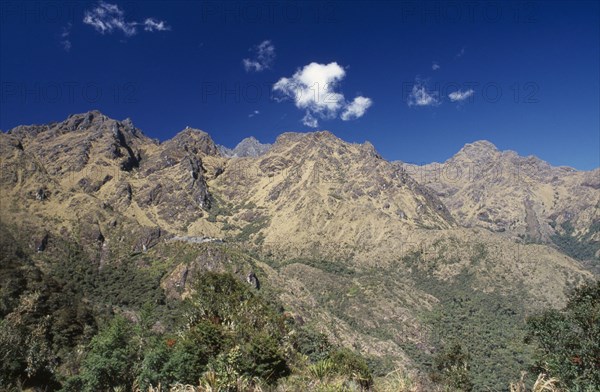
[(69, 323), (332, 238), (522, 196)]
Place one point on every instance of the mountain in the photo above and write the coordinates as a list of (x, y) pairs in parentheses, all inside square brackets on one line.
[(519, 196), (315, 190), (248, 147), (380, 257), (90, 167)]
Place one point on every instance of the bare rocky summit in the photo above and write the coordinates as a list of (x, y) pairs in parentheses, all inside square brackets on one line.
[(521, 196), (248, 147)]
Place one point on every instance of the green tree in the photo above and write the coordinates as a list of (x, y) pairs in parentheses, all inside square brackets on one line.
[(451, 367), (189, 357), (348, 363), (568, 341), (262, 358), (311, 343), (111, 360)]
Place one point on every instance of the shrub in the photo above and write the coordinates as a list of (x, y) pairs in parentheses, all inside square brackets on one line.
[(568, 341), (351, 364), (311, 343), (451, 367), (112, 354)]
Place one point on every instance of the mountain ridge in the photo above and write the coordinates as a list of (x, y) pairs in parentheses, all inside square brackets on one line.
[(479, 144), (363, 248), (459, 181)]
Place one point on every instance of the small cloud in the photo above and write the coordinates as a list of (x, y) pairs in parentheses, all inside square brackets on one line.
[(254, 113), (435, 66), (65, 42), (314, 89), (66, 31), (309, 120), (356, 108), (460, 53), (152, 24), (108, 18), (459, 96), (419, 96), (263, 58)]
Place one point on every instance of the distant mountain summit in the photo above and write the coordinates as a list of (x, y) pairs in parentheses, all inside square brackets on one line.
[(249, 147), (525, 196)]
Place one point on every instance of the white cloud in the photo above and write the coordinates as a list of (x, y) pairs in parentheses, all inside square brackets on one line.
[(309, 120), (356, 108), (108, 18), (460, 53), (435, 66), (65, 42), (459, 96), (152, 24), (263, 57), (419, 96), (313, 89), (254, 113)]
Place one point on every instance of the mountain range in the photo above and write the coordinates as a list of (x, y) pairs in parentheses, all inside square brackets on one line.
[(372, 253)]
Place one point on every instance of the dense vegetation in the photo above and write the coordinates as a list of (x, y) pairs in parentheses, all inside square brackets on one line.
[(583, 247), (479, 335), (568, 341), (228, 334), (70, 323), (74, 326)]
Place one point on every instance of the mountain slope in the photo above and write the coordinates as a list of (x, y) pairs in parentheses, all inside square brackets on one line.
[(522, 196), (314, 190), (363, 249)]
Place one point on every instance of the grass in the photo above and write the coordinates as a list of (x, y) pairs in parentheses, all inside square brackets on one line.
[(542, 384)]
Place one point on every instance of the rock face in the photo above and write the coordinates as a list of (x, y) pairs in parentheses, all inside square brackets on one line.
[(174, 177), (83, 139), (252, 280), (90, 162), (249, 147)]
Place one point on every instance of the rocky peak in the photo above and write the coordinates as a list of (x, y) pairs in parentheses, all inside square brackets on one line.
[(83, 121), (194, 141), (92, 123), (23, 132), (288, 137), (83, 139), (481, 149), (369, 149), (248, 147), (309, 141)]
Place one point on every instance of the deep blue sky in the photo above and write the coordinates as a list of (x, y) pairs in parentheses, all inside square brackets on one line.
[(533, 67)]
